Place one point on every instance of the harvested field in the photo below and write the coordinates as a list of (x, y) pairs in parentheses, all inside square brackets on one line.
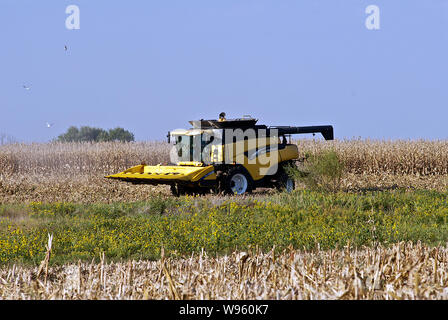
[(403, 271)]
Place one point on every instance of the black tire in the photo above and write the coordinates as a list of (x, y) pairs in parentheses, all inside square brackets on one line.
[(180, 190), (240, 175), (285, 182), (175, 191)]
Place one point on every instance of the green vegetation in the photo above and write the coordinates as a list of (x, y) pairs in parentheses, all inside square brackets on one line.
[(90, 134), (322, 171), (303, 219)]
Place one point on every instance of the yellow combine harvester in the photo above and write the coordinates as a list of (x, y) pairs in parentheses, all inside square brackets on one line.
[(232, 156)]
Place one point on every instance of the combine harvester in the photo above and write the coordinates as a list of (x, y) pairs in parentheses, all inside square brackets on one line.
[(230, 156)]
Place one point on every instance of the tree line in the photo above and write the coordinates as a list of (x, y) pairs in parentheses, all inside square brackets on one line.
[(91, 134)]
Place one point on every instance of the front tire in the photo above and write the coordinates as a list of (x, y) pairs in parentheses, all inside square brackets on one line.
[(238, 182)]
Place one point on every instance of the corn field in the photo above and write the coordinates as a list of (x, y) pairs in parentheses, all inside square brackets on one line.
[(402, 271), (75, 171), (78, 159), (399, 157), (361, 156)]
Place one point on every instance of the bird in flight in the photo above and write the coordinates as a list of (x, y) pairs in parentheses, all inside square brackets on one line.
[(65, 47), (49, 125), (26, 87)]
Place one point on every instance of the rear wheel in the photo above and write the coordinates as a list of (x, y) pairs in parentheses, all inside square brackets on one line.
[(286, 183)]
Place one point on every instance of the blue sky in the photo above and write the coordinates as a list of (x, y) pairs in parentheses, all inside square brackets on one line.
[(150, 66)]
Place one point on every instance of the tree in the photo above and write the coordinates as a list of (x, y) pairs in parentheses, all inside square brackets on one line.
[(119, 134), (91, 134)]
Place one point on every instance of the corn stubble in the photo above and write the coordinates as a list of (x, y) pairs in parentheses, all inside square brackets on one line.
[(75, 172), (402, 271)]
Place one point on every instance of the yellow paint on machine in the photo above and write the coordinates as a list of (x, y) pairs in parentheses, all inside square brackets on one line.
[(166, 173)]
